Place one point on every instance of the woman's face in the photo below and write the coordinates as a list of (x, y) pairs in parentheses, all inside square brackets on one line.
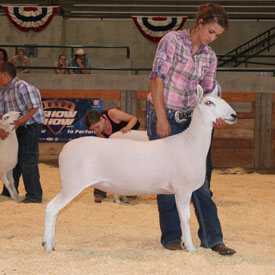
[(1, 56), (62, 59), (209, 32), (98, 126), (20, 54)]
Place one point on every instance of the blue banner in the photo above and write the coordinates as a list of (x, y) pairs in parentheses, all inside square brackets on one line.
[(64, 118)]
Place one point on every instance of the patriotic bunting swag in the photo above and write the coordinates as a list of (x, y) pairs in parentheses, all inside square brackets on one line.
[(154, 28), (30, 18)]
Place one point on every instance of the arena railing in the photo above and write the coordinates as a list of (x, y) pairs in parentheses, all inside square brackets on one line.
[(137, 70), (245, 61), (72, 47)]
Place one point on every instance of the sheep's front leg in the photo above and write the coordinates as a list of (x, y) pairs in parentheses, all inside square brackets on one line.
[(12, 191), (11, 181), (183, 207)]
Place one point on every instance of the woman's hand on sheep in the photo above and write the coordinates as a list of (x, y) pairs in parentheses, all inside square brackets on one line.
[(3, 134), (220, 123), (99, 134), (125, 130)]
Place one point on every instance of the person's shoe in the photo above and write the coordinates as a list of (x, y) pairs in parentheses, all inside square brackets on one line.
[(99, 199), (223, 250), (29, 200), (174, 246)]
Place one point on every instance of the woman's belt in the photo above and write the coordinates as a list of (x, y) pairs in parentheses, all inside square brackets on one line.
[(180, 116)]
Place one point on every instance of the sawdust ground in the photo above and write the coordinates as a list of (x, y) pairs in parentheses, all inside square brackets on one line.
[(124, 239)]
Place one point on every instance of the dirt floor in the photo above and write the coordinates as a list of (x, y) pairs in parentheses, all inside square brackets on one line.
[(124, 239)]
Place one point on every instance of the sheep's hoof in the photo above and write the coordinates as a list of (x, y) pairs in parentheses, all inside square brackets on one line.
[(191, 249), (44, 244)]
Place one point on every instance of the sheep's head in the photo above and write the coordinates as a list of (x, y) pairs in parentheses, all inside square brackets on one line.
[(8, 118), (215, 107)]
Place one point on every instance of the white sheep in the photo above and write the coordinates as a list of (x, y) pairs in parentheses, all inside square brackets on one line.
[(134, 135), (175, 164), (9, 152)]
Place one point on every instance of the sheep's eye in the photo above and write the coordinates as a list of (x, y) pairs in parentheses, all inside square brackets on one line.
[(208, 102)]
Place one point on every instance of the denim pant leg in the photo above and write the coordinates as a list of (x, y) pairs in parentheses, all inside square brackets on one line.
[(98, 193), (27, 166), (168, 213)]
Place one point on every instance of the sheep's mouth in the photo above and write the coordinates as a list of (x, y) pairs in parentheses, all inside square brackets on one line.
[(230, 121)]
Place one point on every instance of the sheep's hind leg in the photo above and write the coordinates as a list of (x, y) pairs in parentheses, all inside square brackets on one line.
[(183, 207), (122, 199), (51, 212), (116, 199)]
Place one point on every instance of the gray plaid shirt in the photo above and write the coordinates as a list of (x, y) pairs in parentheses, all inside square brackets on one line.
[(21, 96)]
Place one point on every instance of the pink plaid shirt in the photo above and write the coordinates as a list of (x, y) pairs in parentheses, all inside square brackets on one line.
[(181, 72)]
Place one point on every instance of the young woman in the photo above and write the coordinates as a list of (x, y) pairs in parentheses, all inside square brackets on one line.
[(106, 123), (183, 60), (61, 63), (20, 60)]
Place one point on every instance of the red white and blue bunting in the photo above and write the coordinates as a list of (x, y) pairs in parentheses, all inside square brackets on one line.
[(154, 28), (27, 18)]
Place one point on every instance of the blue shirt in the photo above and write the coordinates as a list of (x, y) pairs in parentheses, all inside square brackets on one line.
[(87, 64), (22, 96)]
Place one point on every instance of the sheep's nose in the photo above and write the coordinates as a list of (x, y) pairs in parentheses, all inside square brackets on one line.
[(234, 116)]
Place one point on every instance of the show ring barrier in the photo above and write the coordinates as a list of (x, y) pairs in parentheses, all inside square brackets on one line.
[(250, 143)]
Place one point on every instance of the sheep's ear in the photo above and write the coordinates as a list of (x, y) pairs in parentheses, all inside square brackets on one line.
[(215, 91), (199, 93)]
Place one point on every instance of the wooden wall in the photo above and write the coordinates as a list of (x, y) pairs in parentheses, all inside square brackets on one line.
[(249, 143), (246, 143)]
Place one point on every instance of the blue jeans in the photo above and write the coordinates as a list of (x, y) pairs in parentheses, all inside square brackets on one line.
[(210, 232), (27, 165)]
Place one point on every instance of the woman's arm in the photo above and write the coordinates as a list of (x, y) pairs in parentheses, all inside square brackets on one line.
[(122, 116), (27, 65), (157, 91), (13, 61), (60, 71)]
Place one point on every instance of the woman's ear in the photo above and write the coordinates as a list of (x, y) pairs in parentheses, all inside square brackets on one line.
[(200, 22)]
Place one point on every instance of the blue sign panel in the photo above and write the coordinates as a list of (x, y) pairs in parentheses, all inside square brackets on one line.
[(64, 118)]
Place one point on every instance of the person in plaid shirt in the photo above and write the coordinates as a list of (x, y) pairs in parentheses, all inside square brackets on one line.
[(18, 95), (184, 59)]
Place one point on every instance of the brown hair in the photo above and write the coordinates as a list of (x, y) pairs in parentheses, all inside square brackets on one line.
[(5, 55), (61, 55), (21, 50), (92, 117), (212, 13), (9, 68)]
